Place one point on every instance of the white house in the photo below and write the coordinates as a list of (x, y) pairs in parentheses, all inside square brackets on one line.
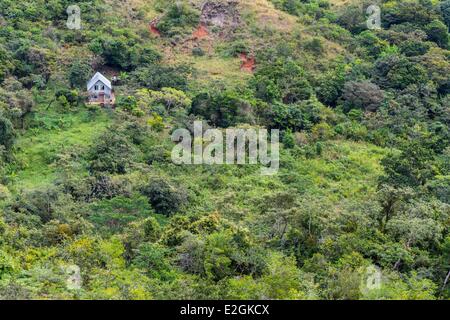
[(100, 90)]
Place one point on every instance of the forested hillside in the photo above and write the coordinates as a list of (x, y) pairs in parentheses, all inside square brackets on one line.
[(92, 206)]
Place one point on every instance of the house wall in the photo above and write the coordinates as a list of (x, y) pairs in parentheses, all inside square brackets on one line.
[(99, 84)]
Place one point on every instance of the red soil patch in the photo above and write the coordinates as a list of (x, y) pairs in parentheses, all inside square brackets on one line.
[(200, 32), (153, 29), (248, 63)]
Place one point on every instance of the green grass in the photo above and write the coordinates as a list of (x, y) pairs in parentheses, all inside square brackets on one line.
[(346, 170), (224, 70), (37, 149)]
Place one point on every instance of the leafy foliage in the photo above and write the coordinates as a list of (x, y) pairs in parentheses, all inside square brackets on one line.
[(364, 152)]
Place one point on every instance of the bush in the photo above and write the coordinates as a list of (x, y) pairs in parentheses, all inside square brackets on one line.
[(198, 52), (329, 85), (398, 72), (79, 73), (412, 48), (287, 117), (178, 19), (315, 46), (172, 99), (362, 95), (112, 215), (164, 197), (7, 134), (153, 259), (112, 153), (124, 52), (282, 80), (156, 77), (352, 19), (322, 131), (129, 104), (5, 63), (236, 48), (223, 109), (438, 32), (445, 9), (371, 44), (415, 11), (352, 130)]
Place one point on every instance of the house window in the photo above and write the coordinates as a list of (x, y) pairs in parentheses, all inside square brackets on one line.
[(103, 88), (96, 87)]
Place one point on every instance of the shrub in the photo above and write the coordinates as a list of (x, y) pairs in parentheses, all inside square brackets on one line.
[(437, 31), (172, 99), (287, 117), (445, 9), (223, 109), (315, 46), (124, 52), (153, 259), (371, 44), (329, 85), (236, 48), (352, 130), (411, 48), (352, 19), (398, 72), (178, 19), (414, 11), (322, 131), (282, 80), (114, 214), (164, 197), (152, 229), (198, 52), (156, 77), (362, 95), (112, 153), (79, 73), (130, 105), (7, 134), (156, 122)]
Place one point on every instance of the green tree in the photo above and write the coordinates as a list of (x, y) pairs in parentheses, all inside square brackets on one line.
[(153, 259), (164, 197), (437, 31), (413, 166), (398, 72), (79, 73), (179, 18), (7, 134), (445, 9), (362, 95), (282, 80), (112, 153)]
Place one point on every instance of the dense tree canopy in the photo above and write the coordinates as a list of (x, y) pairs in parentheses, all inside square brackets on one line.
[(364, 178)]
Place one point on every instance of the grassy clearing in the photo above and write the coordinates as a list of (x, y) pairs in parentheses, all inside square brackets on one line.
[(267, 16), (212, 69), (36, 151), (346, 170)]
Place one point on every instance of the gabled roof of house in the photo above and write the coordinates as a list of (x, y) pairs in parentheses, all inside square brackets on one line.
[(99, 77)]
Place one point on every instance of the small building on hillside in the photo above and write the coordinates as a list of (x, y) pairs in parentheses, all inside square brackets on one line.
[(100, 90)]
